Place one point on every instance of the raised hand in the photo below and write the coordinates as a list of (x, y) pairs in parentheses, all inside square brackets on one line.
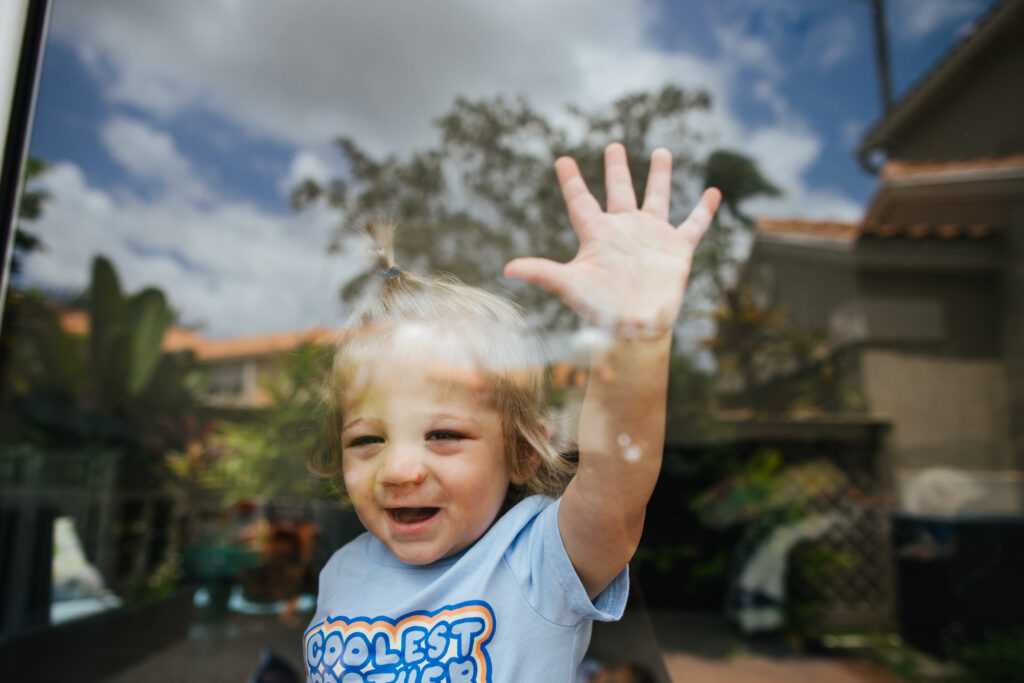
[(632, 265)]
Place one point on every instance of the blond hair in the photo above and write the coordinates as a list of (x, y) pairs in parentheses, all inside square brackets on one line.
[(468, 330)]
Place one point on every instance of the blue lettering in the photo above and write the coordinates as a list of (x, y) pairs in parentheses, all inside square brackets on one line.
[(462, 672), (384, 677), (314, 650), (357, 651), (465, 630), (332, 649), (411, 644), (382, 656), (352, 677), (437, 641)]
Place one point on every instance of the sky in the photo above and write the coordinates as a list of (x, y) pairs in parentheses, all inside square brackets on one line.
[(174, 131)]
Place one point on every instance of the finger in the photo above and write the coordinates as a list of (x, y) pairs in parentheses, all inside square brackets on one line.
[(659, 184), (540, 272), (699, 220), (617, 180), (580, 203)]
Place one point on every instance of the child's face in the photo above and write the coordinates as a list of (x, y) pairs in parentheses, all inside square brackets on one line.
[(424, 460)]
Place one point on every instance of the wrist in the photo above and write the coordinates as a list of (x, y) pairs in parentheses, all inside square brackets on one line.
[(624, 352)]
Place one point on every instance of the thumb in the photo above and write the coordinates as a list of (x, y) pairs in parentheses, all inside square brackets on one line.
[(540, 272)]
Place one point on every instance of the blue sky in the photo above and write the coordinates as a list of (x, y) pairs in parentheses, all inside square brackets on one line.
[(175, 129)]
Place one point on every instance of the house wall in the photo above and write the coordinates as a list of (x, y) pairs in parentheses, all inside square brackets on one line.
[(944, 411), (980, 117), (808, 284), (969, 306)]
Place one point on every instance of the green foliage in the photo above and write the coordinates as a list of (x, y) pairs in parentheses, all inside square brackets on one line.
[(125, 334), (113, 382), (265, 457), (487, 189), (29, 209), (766, 486), (739, 179), (162, 582), (754, 343), (813, 568)]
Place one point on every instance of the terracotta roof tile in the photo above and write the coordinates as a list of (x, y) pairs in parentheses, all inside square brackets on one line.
[(848, 232), (898, 168), (835, 230), (75, 322), (181, 339), (242, 347)]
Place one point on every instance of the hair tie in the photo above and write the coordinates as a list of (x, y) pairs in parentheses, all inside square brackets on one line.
[(391, 272)]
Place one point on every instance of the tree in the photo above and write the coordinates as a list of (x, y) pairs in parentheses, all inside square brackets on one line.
[(778, 367), (30, 209), (114, 382), (265, 457), (487, 191)]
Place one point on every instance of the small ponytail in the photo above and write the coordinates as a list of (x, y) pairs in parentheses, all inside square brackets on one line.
[(382, 234)]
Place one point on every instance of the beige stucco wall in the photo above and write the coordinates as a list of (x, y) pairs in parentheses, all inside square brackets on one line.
[(944, 412)]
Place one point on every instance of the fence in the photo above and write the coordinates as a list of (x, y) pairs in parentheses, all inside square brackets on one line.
[(815, 553), (778, 519)]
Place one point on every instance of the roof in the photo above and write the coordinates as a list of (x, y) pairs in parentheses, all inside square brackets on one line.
[(915, 200), (802, 229), (904, 172), (808, 227), (204, 348), (972, 198), (178, 339), (1002, 22)]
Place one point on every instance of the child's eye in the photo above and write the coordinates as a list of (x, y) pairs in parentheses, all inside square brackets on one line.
[(444, 435), (364, 440)]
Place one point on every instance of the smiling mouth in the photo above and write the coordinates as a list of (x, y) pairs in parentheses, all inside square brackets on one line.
[(412, 515)]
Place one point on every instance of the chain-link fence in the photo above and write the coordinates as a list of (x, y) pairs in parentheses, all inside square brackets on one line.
[(814, 554)]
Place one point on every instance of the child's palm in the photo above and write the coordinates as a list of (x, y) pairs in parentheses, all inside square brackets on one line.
[(632, 265)]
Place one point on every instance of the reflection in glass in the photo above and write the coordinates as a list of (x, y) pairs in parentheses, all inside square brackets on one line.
[(844, 437)]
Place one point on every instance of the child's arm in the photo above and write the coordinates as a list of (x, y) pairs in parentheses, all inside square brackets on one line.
[(628, 278)]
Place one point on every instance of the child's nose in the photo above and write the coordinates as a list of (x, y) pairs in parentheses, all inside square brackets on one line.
[(402, 465)]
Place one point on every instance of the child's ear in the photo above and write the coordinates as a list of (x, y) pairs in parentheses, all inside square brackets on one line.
[(524, 468), (528, 459)]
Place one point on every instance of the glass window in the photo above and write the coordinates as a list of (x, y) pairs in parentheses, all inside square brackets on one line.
[(840, 487)]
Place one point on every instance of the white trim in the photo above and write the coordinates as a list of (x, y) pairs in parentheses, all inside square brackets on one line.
[(12, 33)]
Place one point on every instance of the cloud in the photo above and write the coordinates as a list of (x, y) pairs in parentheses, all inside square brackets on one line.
[(914, 19), (850, 132), (380, 73), (747, 50), (377, 71), (241, 270), (784, 35), (785, 154), (309, 164), (831, 42), (151, 156)]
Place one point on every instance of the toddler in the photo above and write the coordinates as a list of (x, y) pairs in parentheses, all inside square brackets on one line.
[(488, 554)]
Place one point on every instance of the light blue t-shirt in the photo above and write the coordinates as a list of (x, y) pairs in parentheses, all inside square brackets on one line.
[(508, 609)]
